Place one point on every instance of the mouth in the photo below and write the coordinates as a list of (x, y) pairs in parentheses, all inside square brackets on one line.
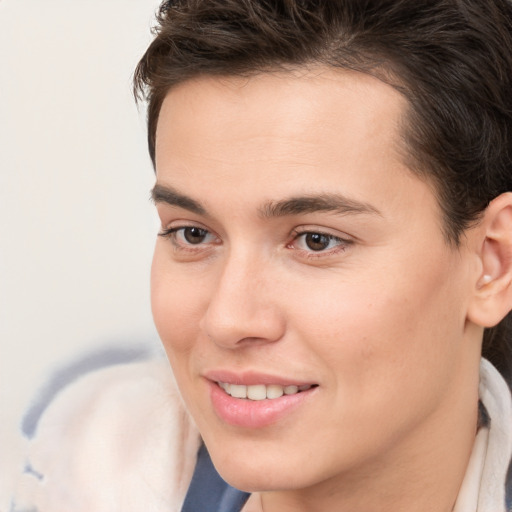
[(257, 400), (259, 392)]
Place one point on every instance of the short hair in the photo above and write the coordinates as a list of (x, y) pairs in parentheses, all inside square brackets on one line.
[(451, 59)]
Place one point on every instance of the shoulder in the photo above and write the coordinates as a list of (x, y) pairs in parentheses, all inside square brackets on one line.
[(114, 438)]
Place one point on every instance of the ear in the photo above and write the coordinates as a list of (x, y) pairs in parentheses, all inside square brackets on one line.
[(492, 297)]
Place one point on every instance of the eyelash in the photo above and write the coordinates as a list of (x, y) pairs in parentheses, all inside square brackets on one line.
[(172, 234), (342, 243)]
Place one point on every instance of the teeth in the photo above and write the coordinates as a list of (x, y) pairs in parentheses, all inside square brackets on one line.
[(237, 391), (225, 386), (291, 390), (274, 391), (260, 391)]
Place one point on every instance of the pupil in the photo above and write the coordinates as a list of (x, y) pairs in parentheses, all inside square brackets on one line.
[(194, 235), (317, 241)]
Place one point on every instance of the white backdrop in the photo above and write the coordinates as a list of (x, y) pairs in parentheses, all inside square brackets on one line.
[(76, 225)]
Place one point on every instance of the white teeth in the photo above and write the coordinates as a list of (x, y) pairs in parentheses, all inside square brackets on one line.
[(260, 391), (274, 391), (238, 391), (225, 386), (290, 390)]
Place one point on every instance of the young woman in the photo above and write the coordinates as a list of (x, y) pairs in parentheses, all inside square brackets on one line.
[(334, 186)]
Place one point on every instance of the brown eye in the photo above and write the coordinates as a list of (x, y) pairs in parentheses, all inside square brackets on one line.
[(194, 235), (317, 241)]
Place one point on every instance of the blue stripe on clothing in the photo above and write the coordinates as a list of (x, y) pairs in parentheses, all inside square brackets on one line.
[(208, 492)]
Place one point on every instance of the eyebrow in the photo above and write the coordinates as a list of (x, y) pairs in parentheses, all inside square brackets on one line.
[(317, 203), (301, 205), (170, 196)]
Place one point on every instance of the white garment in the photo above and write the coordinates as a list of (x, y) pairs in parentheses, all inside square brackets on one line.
[(119, 439), (116, 440), (483, 487)]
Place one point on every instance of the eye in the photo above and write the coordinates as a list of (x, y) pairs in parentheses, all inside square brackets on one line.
[(317, 242), (192, 235), (188, 235)]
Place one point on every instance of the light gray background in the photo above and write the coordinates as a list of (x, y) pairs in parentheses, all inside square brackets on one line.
[(76, 225)]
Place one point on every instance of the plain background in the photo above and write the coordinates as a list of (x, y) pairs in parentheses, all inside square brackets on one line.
[(76, 224)]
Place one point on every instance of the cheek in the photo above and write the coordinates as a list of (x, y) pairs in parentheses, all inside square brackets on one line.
[(392, 333), (176, 305)]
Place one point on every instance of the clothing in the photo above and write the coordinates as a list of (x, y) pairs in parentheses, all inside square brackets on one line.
[(119, 439), (116, 439), (208, 492), (484, 486)]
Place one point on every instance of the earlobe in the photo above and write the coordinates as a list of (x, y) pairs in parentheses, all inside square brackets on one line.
[(485, 279), (492, 298)]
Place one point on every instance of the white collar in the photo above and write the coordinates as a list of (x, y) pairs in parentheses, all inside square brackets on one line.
[(483, 487)]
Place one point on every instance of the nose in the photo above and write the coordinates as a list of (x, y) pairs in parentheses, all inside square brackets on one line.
[(244, 309)]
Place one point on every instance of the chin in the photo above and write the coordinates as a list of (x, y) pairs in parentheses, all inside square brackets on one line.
[(271, 470), (249, 479)]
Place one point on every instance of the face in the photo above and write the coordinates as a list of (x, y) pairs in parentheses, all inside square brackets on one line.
[(301, 261)]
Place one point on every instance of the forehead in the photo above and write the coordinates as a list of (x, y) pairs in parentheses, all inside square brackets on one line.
[(282, 133), (297, 106)]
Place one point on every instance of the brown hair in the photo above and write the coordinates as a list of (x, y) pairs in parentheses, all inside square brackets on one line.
[(452, 59)]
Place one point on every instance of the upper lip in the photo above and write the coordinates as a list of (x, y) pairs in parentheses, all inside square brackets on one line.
[(252, 378)]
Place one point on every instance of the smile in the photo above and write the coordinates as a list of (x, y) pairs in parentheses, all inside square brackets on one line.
[(258, 405), (262, 391)]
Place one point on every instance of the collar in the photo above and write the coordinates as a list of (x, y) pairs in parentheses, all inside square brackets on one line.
[(483, 486)]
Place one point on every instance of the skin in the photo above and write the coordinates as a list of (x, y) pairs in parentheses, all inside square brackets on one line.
[(378, 319)]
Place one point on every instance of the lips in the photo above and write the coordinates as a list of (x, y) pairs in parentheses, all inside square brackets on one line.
[(256, 401)]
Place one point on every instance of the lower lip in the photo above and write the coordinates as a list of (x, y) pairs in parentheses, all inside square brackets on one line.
[(254, 413)]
